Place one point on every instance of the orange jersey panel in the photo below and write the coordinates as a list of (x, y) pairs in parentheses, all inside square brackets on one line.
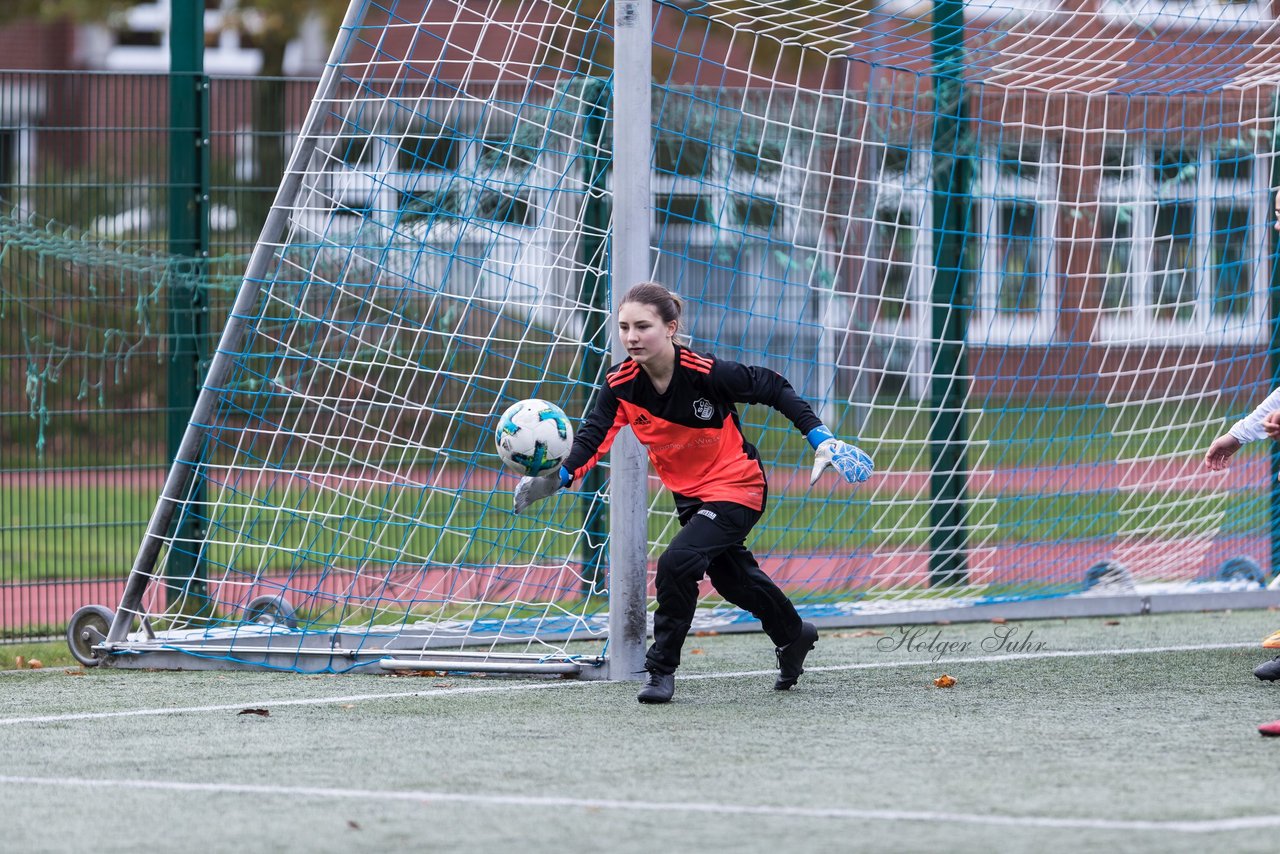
[(708, 463)]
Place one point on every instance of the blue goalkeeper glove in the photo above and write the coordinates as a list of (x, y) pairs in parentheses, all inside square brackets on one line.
[(531, 489), (853, 463)]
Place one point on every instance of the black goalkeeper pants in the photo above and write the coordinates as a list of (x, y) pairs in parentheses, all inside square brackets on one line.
[(711, 543)]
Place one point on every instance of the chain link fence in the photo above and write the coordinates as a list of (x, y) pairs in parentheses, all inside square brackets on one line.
[(86, 276)]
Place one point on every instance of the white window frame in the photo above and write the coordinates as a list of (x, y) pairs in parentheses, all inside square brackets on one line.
[(989, 325), (1201, 14), (1207, 193), (226, 57), (975, 10), (909, 192)]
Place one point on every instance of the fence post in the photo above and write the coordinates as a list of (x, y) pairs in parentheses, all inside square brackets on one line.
[(188, 216), (949, 385)]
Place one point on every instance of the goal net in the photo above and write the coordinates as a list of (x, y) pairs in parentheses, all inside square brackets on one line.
[(1016, 251)]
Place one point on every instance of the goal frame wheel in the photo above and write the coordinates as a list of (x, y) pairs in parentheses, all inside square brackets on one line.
[(88, 627), (268, 610)]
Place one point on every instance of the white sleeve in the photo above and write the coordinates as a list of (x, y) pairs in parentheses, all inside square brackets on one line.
[(1249, 428)]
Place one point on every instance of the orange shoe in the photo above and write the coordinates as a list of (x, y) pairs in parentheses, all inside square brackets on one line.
[(1271, 641), (1270, 729)]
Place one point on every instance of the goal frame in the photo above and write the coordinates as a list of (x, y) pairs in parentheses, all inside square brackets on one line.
[(274, 644)]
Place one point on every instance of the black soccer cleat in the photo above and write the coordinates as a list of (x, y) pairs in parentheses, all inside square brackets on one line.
[(791, 657), (658, 688), (1268, 671)]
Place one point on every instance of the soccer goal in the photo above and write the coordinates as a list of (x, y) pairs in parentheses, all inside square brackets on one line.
[(1020, 251)]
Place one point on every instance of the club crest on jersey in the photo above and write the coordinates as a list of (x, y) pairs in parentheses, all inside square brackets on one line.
[(703, 409)]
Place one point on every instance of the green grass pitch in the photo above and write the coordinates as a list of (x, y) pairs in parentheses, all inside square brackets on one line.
[(1061, 736)]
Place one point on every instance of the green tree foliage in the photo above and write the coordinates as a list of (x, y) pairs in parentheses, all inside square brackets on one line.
[(81, 11), (275, 23)]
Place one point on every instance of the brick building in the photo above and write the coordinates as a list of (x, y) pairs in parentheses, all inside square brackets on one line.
[(1122, 156)]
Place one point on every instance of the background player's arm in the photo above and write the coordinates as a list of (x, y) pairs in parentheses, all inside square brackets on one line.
[(1262, 422)]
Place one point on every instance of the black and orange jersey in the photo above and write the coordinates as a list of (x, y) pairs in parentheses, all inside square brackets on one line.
[(691, 430)]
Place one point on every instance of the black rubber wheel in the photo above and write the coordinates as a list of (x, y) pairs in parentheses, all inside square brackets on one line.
[(271, 611), (1107, 573), (1242, 569), (88, 627)]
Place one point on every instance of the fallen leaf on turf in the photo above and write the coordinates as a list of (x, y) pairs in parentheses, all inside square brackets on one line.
[(79, 671), (1111, 623), (35, 664), (353, 825), (261, 712), (696, 651), (944, 681), (1000, 620), (942, 622), (708, 633), (348, 706), (865, 633)]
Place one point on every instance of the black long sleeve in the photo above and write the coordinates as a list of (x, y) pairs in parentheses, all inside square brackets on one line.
[(754, 384)]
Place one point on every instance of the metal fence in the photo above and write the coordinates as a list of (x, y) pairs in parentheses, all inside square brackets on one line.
[(88, 402)]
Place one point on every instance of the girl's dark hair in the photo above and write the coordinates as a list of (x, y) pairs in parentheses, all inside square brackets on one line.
[(664, 302)]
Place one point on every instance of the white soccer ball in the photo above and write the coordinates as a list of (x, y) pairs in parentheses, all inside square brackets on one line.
[(534, 437)]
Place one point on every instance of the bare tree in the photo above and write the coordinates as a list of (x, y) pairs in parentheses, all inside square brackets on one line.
[(273, 24)]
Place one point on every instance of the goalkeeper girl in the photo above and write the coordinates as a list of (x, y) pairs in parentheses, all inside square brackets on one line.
[(681, 406)]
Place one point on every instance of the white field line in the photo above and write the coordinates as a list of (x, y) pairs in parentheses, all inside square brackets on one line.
[(427, 798), (527, 686)]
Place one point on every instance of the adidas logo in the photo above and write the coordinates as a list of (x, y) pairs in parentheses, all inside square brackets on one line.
[(641, 420)]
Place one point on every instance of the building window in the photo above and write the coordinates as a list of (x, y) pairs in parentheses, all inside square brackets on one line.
[(1179, 233), (979, 10), (8, 163), (684, 156), (140, 38), (756, 214), (682, 209), (1231, 270), (892, 263), (896, 275), (506, 152), (1215, 14), (1173, 261), (1014, 207), (505, 208), (1021, 267), (1115, 256), (419, 153)]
